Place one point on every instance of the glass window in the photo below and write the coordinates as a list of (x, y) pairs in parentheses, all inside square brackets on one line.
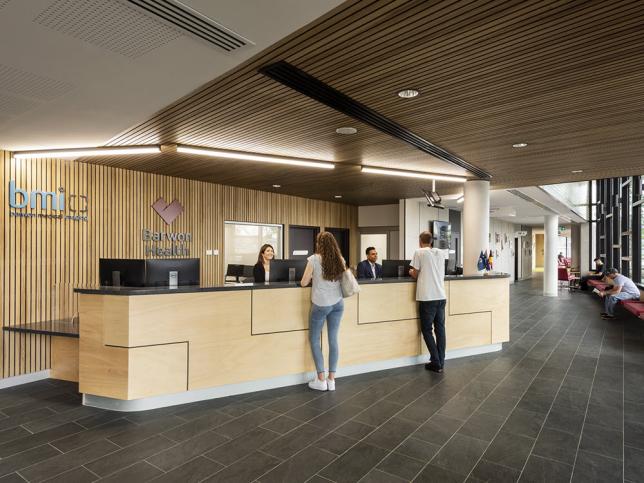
[(573, 195), (242, 241)]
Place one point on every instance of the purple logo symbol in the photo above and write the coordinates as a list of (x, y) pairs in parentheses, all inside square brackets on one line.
[(168, 212)]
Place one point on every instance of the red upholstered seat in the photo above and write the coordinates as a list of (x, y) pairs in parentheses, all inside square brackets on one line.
[(594, 283), (634, 306), (602, 286)]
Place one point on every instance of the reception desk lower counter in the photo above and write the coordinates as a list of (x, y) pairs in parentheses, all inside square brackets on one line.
[(143, 348)]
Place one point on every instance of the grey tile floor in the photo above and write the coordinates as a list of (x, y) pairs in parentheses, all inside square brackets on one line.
[(563, 401)]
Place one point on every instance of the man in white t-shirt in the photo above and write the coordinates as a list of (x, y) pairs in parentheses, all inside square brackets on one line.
[(428, 268)]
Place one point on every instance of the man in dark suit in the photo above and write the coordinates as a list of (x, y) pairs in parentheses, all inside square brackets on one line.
[(369, 268)]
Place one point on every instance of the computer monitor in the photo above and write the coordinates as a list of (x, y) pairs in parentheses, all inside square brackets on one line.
[(234, 271), (390, 268), (279, 270), (123, 272), (157, 271)]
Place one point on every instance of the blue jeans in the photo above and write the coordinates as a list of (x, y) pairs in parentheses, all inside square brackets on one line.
[(332, 314), (610, 301), (433, 313)]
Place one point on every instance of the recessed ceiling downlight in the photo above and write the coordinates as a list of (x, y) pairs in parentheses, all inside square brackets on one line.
[(337, 197), (577, 171), (277, 186), (520, 145), (408, 93), (346, 130)]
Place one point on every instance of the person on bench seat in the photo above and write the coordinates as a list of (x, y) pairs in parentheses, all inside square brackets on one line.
[(623, 289), (598, 274)]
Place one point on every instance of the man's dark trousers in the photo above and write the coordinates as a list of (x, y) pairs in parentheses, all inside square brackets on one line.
[(433, 312)]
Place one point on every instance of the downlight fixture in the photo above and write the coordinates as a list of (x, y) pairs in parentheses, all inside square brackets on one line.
[(346, 130), (408, 93), (520, 145)]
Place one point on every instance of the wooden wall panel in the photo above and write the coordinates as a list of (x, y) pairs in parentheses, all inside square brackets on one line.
[(44, 259)]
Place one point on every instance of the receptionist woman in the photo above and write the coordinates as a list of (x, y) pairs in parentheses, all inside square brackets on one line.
[(261, 270)]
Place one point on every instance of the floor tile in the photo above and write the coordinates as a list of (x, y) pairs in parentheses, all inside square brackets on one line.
[(65, 462), (242, 446), (245, 423), (287, 445), (193, 471), (460, 408), (557, 445), (564, 419), (525, 423), (299, 467), (401, 465), (510, 450), (391, 433), (87, 436), (605, 416), (436, 474), (460, 453), (282, 424), (33, 440), (186, 450), (633, 464), (140, 471), (488, 471), (27, 458), (539, 470), (378, 413), (355, 430), (593, 467), (438, 429), (571, 399), (355, 463), (602, 441), (128, 456), (247, 469), (634, 435), (418, 449), (77, 475), (335, 443), (374, 476)]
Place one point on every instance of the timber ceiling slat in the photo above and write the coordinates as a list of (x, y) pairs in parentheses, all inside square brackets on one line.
[(566, 77)]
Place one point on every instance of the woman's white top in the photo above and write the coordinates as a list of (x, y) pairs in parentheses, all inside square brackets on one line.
[(323, 292)]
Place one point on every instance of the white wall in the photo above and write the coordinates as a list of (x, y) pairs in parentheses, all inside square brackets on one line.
[(378, 215), (503, 249), (417, 216)]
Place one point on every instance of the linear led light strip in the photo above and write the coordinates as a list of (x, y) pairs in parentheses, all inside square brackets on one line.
[(217, 153), (413, 174), (81, 152)]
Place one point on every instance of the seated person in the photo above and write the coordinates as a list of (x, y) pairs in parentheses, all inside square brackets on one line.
[(598, 274), (623, 289), (261, 270), (369, 268), (561, 259)]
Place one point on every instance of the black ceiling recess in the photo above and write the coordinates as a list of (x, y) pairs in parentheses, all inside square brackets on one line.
[(308, 85)]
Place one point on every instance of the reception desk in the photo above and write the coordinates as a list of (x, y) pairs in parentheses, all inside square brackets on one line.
[(141, 348)]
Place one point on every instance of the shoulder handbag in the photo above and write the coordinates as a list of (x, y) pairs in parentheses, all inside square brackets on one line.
[(349, 284)]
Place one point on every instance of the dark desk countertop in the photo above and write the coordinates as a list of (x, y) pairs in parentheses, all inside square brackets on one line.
[(103, 290)]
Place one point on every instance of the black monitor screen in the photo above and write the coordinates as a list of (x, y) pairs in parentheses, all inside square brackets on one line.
[(279, 270), (121, 271), (390, 268), (157, 272)]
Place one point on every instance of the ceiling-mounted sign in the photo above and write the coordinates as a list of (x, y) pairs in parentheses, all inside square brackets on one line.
[(156, 241), (55, 205), (520, 233)]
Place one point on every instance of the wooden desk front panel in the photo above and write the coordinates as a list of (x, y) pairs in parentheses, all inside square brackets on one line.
[(387, 302)]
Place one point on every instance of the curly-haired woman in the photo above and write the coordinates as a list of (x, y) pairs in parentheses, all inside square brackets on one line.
[(325, 269)]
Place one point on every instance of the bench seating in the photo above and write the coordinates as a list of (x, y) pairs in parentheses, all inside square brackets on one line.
[(636, 307)]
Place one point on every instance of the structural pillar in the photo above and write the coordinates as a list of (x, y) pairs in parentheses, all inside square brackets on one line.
[(476, 223), (550, 265)]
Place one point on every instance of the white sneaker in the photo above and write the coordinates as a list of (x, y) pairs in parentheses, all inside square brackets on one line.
[(330, 384), (318, 385)]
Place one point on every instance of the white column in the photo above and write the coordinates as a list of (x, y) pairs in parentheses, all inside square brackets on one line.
[(476, 223), (550, 266)]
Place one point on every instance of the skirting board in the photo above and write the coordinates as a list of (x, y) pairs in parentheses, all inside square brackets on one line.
[(24, 379), (261, 385)]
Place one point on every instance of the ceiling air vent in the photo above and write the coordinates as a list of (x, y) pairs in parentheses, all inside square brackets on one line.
[(532, 200), (194, 23)]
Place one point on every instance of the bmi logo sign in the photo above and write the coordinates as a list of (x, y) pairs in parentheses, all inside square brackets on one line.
[(57, 205), (168, 213)]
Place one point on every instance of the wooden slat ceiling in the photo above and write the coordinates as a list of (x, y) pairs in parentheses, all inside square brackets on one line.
[(566, 77)]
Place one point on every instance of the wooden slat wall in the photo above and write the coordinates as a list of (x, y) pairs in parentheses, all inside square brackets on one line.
[(43, 259)]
